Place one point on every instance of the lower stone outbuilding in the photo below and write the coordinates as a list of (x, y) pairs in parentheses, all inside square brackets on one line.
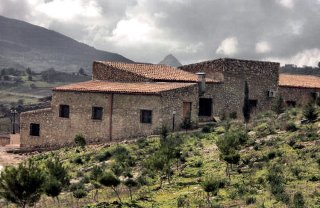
[(299, 90), (104, 111)]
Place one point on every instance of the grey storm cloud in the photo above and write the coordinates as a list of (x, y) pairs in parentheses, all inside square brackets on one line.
[(193, 30)]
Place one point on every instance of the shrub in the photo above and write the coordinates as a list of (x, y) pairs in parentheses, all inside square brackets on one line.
[(291, 126), (206, 129), (96, 172), (210, 185), (310, 112), (79, 193), (79, 140), (110, 180), (233, 115), (278, 106), (103, 156), (298, 200), (78, 160), (251, 200), (22, 185), (53, 188)]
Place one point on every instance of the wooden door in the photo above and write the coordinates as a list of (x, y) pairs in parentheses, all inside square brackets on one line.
[(187, 110)]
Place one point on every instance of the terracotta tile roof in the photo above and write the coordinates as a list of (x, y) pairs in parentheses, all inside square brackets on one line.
[(153, 88), (156, 72), (303, 81)]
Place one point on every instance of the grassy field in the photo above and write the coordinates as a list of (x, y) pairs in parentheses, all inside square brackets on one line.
[(276, 142)]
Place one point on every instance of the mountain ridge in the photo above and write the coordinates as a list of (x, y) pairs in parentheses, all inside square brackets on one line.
[(170, 60), (40, 48)]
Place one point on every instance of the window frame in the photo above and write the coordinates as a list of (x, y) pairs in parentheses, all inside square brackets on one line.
[(94, 115), (62, 111), (33, 129), (143, 119)]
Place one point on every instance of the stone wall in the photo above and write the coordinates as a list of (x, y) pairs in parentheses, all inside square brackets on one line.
[(301, 96), (57, 131), (101, 71), (261, 77)]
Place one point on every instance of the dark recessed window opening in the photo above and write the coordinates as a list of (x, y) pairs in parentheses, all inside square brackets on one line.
[(146, 116), (314, 95), (253, 103), (64, 111), (97, 113), (34, 129), (291, 103), (205, 107)]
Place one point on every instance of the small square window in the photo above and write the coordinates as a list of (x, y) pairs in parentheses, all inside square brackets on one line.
[(97, 113), (253, 103), (64, 111), (34, 129), (146, 116)]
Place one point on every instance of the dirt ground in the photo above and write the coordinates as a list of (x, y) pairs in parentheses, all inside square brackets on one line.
[(9, 158)]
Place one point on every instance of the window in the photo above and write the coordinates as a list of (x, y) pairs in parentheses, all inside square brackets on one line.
[(146, 116), (34, 129), (97, 113), (253, 103), (64, 111), (205, 107), (291, 103)]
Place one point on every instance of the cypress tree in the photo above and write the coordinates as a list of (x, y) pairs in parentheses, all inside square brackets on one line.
[(246, 104)]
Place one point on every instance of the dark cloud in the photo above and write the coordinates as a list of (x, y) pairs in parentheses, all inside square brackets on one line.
[(193, 30)]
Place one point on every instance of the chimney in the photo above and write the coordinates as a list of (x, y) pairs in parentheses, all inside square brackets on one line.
[(201, 82)]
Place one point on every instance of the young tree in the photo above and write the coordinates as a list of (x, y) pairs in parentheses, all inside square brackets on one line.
[(211, 186), (22, 185), (298, 200), (95, 173), (229, 146), (278, 106), (57, 171), (246, 104), (80, 140), (110, 180), (130, 183), (53, 188), (310, 112)]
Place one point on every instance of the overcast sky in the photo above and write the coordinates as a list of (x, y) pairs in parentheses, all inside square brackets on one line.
[(193, 30)]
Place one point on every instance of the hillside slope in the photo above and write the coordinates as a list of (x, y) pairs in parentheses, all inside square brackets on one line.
[(278, 166), (39, 48)]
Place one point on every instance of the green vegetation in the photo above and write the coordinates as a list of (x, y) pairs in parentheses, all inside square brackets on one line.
[(275, 162)]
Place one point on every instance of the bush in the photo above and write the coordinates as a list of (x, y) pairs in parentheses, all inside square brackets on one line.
[(79, 193), (22, 185), (79, 140), (210, 185), (310, 112), (206, 129), (78, 160), (251, 200), (298, 200), (233, 115), (53, 188), (291, 126), (278, 106), (103, 156)]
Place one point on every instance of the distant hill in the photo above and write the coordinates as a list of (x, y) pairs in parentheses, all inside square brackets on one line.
[(292, 69), (170, 60), (26, 45)]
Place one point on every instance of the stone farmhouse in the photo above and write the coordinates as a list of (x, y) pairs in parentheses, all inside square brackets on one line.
[(299, 90), (125, 100)]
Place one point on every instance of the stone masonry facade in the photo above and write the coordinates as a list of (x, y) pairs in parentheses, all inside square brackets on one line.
[(262, 77), (120, 120), (136, 100)]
